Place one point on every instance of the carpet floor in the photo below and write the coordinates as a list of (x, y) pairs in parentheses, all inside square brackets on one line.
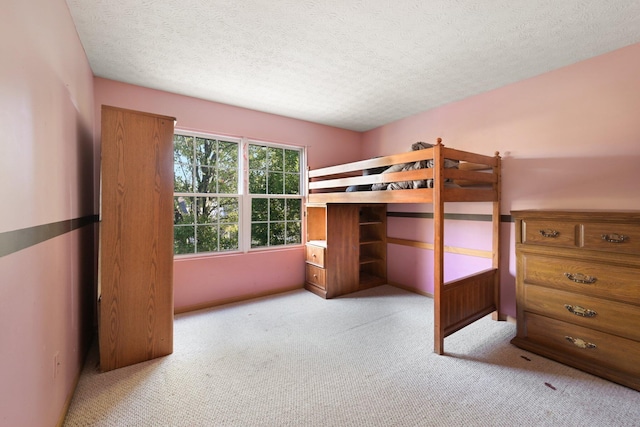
[(365, 359)]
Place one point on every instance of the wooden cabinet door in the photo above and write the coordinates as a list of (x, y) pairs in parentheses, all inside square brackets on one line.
[(136, 238)]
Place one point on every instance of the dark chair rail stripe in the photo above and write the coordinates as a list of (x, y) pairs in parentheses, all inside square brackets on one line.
[(16, 240), (453, 216)]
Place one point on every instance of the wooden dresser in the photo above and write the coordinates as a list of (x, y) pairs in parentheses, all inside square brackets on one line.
[(346, 248), (578, 290)]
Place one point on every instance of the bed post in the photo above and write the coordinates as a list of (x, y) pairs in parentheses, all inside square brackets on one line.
[(438, 245), (497, 170)]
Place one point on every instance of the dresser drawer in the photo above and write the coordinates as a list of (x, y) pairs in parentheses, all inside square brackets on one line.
[(604, 315), (590, 278), (316, 276), (584, 343), (551, 233), (621, 238), (315, 255)]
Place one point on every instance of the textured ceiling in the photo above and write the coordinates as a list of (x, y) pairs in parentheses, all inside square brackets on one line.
[(354, 64)]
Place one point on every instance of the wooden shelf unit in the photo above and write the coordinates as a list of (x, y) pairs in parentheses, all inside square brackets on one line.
[(346, 248)]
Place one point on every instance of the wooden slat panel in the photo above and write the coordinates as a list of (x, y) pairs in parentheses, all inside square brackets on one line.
[(452, 153), (450, 249), (411, 156), (419, 174), (466, 300), (482, 177), (469, 195), (467, 166), (421, 195)]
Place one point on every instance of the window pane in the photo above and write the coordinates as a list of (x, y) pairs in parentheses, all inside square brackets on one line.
[(292, 161), (292, 183), (227, 153), (276, 184), (227, 167), (183, 210), (182, 149), (206, 209), (294, 232), (259, 236), (183, 239), (228, 180), (206, 151), (182, 178), (276, 233), (183, 163), (276, 159), (257, 182), (207, 238), (276, 210), (206, 180), (259, 210), (294, 208), (229, 210), (218, 212), (229, 237), (257, 157)]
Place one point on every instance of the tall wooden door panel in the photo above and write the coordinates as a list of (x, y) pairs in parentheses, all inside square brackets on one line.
[(136, 238)]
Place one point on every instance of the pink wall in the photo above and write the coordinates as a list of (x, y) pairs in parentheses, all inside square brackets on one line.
[(46, 177), (202, 280), (570, 139)]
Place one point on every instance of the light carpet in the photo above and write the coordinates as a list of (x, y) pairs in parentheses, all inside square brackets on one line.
[(365, 359)]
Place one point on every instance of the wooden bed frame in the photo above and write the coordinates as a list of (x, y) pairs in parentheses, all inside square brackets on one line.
[(457, 303)]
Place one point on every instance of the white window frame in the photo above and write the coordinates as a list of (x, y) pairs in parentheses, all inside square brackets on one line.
[(245, 198)]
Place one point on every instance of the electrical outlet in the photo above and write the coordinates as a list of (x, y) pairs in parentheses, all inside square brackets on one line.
[(56, 364)]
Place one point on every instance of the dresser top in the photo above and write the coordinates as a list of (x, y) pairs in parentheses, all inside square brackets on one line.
[(631, 216)]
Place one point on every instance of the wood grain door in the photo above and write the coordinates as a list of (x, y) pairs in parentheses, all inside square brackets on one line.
[(136, 238)]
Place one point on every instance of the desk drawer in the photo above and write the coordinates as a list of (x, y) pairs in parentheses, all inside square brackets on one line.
[(584, 343), (604, 315), (589, 278), (316, 276), (315, 255)]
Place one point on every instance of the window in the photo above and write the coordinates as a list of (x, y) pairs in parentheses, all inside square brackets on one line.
[(223, 202), (274, 188)]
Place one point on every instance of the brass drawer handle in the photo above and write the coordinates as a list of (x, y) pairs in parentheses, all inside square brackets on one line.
[(581, 278), (614, 238), (549, 233), (579, 342), (580, 311)]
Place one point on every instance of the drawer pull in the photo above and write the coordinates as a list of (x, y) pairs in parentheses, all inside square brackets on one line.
[(313, 255), (614, 238), (549, 233), (579, 342), (580, 311), (581, 278), (315, 276)]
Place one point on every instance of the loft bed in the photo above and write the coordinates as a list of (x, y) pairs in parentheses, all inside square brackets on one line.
[(436, 175)]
